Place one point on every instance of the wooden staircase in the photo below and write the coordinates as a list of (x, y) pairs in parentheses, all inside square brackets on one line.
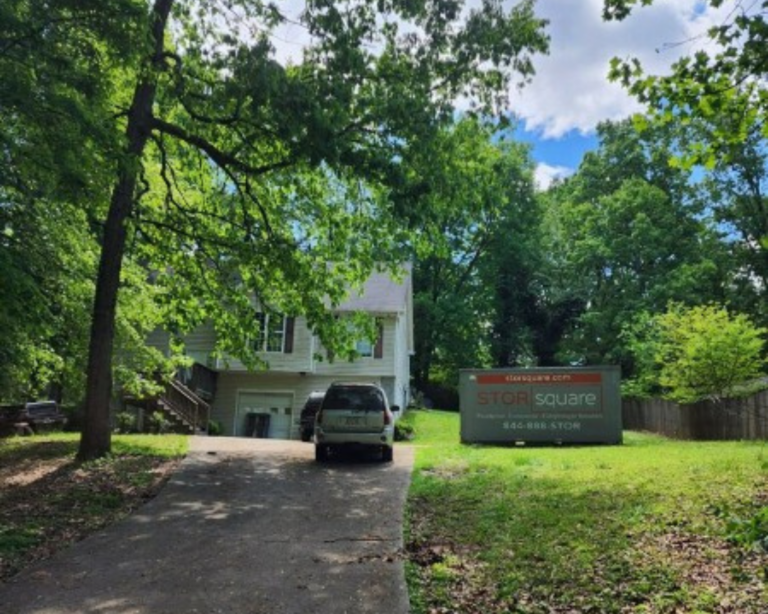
[(183, 408), (185, 400)]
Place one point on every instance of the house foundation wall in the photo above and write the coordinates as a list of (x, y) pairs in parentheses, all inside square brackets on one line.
[(232, 386)]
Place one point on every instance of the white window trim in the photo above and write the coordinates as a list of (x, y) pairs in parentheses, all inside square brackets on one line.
[(264, 334)]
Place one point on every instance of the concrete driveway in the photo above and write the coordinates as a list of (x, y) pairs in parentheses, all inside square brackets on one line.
[(245, 526)]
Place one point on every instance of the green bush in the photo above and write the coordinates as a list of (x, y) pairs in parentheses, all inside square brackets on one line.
[(693, 353), (158, 423), (215, 428), (125, 422), (749, 532), (404, 430)]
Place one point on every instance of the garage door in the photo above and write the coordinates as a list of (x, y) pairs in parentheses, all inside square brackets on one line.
[(253, 406)]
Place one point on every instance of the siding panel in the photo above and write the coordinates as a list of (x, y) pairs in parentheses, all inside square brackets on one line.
[(369, 366), (230, 384), (300, 359)]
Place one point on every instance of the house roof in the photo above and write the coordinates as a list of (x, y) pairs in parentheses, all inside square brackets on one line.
[(381, 294)]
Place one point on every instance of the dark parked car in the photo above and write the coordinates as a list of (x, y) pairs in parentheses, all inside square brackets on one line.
[(37, 416), (308, 413)]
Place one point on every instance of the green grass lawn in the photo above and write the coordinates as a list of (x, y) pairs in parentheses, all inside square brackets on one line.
[(654, 525), (47, 500)]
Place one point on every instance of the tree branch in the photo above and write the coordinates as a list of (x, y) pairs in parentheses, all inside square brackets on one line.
[(221, 158)]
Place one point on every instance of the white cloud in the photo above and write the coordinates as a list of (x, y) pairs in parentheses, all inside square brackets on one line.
[(545, 174), (571, 91)]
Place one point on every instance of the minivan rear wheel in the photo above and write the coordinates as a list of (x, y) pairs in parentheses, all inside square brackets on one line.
[(386, 454), (321, 453)]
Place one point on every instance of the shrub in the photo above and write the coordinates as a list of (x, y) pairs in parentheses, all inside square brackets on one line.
[(404, 431), (215, 428), (706, 352), (158, 423), (751, 532), (125, 422), (695, 353)]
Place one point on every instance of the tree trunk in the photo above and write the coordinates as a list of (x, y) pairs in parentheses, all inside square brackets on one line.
[(95, 440)]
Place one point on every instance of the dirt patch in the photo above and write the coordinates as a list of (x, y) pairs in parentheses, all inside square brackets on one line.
[(47, 501), (29, 471), (672, 572)]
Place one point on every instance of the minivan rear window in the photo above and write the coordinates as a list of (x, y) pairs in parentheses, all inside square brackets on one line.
[(353, 397)]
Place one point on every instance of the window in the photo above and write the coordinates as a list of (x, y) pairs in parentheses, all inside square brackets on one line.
[(364, 348), (353, 396), (272, 333), (371, 349)]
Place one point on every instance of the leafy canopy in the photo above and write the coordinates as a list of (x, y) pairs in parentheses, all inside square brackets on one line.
[(474, 193), (723, 83), (625, 234)]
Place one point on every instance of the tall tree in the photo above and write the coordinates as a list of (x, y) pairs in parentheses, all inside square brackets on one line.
[(245, 151), (475, 192), (627, 235), (58, 66), (738, 193), (718, 93)]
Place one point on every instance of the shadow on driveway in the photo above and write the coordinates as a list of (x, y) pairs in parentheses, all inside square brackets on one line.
[(245, 527)]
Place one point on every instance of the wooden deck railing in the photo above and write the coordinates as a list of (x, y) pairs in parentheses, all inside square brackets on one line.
[(187, 405)]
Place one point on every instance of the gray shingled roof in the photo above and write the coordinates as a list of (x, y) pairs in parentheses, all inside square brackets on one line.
[(380, 294)]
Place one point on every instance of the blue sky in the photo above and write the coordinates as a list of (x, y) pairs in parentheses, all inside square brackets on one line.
[(570, 93), (556, 156), (566, 150)]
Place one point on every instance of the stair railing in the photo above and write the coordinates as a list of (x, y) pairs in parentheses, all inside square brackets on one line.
[(187, 405)]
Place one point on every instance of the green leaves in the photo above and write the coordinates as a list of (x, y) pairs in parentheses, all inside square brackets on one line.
[(701, 352), (299, 187), (626, 236), (722, 86), (476, 217), (263, 180)]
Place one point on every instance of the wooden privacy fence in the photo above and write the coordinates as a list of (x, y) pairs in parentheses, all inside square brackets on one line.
[(732, 419)]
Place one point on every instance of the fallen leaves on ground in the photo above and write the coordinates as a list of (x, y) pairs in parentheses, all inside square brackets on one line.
[(670, 571), (48, 501)]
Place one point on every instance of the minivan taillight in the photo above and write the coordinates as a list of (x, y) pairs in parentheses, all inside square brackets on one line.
[(387, 417)]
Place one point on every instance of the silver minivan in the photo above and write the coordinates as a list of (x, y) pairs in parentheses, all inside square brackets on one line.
[(354, 414)]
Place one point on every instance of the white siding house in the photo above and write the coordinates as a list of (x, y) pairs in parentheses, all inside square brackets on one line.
[(290, 349)]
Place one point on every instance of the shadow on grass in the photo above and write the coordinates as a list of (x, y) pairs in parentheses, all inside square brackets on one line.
[(498, 541), (24, 450), (61, 445), (64, 501)]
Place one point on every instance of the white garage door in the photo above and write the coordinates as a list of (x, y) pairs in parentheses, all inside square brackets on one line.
[(276, 406)]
